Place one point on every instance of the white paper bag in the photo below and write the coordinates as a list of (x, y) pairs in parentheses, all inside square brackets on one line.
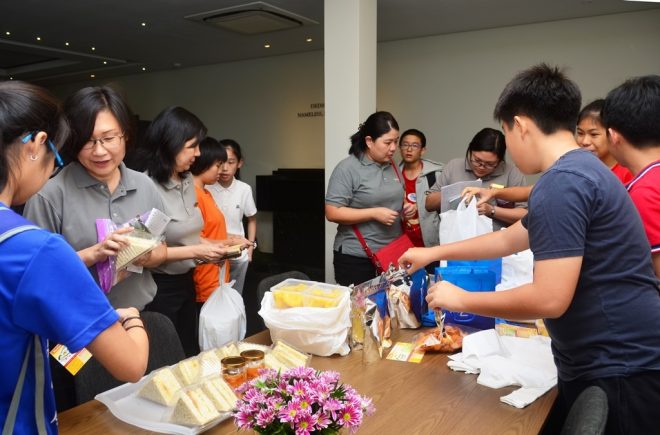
[(463, 223), (320, 331), (222, 318)]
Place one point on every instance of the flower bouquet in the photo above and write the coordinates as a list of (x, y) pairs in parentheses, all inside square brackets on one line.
[(300, 401)]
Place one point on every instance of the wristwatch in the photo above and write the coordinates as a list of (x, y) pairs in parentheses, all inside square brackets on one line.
[(492, 212)]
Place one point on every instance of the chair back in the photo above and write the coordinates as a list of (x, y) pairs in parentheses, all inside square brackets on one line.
[(164, 349), (588, 415)]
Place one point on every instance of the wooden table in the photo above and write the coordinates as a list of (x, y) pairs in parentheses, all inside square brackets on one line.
[(425, 398)]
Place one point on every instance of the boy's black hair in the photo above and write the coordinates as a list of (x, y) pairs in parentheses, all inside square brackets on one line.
[(210, 151), (415, 132), (633, 109), (544, 94)]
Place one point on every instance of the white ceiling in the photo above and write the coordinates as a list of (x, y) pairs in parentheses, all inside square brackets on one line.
[(169, 40)]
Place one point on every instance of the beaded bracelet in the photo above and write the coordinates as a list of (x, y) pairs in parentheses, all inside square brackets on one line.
[(130, 318)]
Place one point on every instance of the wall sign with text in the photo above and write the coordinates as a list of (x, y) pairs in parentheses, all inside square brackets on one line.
[(316, 109)]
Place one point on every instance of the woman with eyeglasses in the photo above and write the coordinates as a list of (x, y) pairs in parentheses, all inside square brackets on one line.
[(484, 159), (97, 184), (46, 293), (169, 148)]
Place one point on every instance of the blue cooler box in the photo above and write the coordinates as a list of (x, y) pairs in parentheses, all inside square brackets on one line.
[(471, 278)]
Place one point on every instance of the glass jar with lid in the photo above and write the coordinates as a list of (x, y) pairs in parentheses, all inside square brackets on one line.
[(233, 370), (254, 360)]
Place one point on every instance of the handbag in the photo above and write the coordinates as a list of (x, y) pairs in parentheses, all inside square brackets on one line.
[(388, 254)]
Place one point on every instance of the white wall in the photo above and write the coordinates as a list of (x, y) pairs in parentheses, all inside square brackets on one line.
[(447, 85), (444, 85)]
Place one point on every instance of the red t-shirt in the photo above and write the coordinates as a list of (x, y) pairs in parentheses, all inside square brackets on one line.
[(622, 173), (411, 226), (644, 190)]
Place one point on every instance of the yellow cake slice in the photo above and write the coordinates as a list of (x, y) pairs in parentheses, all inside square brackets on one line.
[(220, 393), (137, 247), (188, 371), (193, 408), (161, 387)]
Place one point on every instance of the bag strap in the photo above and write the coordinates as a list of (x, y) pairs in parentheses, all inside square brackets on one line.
[(11, 227), (8, 428), (430, 177), (398, 175), (367, 250)]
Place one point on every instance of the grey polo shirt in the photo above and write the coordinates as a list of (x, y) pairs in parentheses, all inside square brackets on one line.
[(363, 183), (505, 174), (186, 225), (70, 203)]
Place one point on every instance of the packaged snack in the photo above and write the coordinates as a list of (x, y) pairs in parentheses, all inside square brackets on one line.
[(146, 235), (370, 316), (433, 339)]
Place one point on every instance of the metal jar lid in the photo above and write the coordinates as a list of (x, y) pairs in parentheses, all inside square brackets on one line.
[(233, 362), (253, 354)]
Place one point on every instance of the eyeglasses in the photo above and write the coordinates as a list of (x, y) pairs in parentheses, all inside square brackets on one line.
[(480, 163), (108, 142), (59, 163), (410, 146)]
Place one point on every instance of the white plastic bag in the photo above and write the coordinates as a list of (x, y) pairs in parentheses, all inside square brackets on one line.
[(517, 269), (320, 331), (222, 318), (463, 223)]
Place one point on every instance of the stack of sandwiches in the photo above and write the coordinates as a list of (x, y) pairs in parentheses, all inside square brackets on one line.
[(196, 390)]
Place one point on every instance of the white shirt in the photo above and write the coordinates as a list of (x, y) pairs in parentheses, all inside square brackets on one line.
[(235, 202)]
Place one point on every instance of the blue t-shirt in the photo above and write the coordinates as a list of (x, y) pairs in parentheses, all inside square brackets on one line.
[(612, 327), (46, 290)]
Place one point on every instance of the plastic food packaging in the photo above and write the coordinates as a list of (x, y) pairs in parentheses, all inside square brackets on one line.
[(294, 293), (320, 331), (371, 317), (146, 235), (433, 340)]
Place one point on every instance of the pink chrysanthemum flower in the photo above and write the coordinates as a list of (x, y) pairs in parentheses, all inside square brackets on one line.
[(299, 401)]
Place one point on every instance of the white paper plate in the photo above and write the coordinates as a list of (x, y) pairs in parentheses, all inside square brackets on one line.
[(124, 404)]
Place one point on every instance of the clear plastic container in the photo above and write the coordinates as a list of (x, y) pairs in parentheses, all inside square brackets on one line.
[(293, 293)]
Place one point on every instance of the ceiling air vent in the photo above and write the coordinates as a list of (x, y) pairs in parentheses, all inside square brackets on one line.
[(252, 18)]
